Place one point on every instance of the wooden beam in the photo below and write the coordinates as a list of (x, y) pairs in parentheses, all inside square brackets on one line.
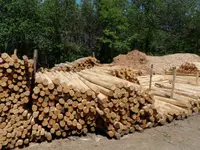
[(151, 74), (197, 78), (93, 54), (173, 82)]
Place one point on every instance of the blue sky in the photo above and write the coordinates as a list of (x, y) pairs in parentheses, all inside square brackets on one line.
[(78, 1)]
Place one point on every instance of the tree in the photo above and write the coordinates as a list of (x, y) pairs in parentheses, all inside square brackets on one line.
[(18, 26), (161, 26), (64, 30), (90, 25), (58, 40), (114, 21)]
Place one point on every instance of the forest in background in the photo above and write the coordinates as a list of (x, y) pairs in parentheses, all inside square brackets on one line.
[(64, 30)]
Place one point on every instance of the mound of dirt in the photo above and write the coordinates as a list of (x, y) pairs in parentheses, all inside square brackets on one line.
[(134, 59), (142, 62)]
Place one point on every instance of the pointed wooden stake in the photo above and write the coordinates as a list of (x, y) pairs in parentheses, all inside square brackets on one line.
[(173, 82), (151, 74), (15, 52), (197, 78), (93, 54), (35, 56)]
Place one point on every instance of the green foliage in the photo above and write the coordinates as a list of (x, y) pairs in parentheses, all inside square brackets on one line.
[(64, 30), (113, 19), (162, 26), (18, 25)]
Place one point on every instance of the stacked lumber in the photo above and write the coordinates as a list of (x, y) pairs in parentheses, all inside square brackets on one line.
[(123, 106), (77, 65), (67, 103), (76, 101), (184, 102), (191, 80), (15, 119), (183, 92), (122, 72), (188, 68), (63, 104), (144, 81), (171, 109)]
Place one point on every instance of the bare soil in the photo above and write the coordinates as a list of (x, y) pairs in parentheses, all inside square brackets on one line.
[(141, 61), (179, 135)]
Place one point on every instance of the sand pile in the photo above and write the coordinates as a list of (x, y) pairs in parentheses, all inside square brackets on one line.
[(142, 62), (134, 59)]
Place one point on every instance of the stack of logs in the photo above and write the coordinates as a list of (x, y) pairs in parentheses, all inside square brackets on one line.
[(63, 104), (187, 68), (68, 103), (123, 106), (185, 101), (125, 73), (15, 117), (77, 65)]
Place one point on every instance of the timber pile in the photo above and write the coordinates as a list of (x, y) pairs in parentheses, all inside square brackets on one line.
[(123, 106), (77, 65), (80, 101), (68, 103), (144, 80), (187, 69), (190, 68), (122, 72), (15, 119), (186, 99), (63, 104)]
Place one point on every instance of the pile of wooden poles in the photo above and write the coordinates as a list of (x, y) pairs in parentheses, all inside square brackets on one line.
[(77, 65), (185, 100), (63, 104), (122, 106), (122, 72), (188, 68), (15, 117), (68, 103), (74, 101)]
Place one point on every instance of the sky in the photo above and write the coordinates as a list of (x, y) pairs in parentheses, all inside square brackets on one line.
[(78, 1)]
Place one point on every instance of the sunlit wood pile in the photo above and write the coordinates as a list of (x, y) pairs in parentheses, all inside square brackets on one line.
[(62, 102), (186, 99), (77, 65), (188, 68), (15, 116), (125, 73)]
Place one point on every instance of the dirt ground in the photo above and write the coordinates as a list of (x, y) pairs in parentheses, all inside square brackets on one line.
[(179, 135), (141, 61)]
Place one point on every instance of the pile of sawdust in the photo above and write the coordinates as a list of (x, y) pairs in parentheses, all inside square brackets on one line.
[(142, 62), (134, 59)]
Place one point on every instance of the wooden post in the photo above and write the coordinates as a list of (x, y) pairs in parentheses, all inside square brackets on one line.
[(151, 74), (173, 82), (15, 52), (35, 56), (93, 54), (35, 62), (197, 77)]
